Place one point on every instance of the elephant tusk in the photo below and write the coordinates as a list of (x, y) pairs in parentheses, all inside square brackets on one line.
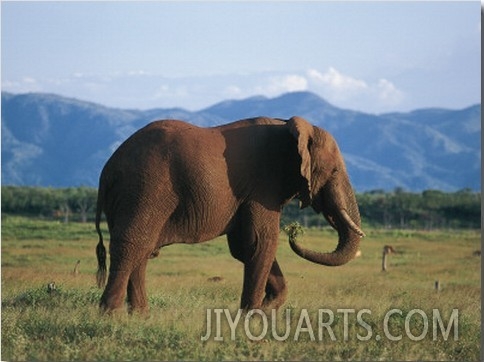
[(351, 223)]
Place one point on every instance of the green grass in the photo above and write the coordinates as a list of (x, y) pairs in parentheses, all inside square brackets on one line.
[(67, 325)]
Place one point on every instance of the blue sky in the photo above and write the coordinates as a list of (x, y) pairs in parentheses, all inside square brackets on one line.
[(370, 56)]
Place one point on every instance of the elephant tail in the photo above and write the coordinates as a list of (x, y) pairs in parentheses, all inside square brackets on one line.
[(100, 248)]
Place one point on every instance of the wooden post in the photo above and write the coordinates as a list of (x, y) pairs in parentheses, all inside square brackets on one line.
[(387, 249), (76, 268), (437, 285), (384, 260)]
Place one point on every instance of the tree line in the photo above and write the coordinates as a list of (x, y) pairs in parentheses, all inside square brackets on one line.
[(400, 209), (64, 204)]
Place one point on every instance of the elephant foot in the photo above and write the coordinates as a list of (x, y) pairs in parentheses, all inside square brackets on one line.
[(275, 301), (270, 301), (111, 305), (115, 292), (138, 310), (276, 288)]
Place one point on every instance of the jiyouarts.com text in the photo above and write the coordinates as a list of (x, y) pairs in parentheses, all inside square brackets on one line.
[(330, 325)]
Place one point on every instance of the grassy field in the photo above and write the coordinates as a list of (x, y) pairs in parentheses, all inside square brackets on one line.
[(66, 325)]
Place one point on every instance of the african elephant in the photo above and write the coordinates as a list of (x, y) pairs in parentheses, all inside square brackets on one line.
[(173, 182)]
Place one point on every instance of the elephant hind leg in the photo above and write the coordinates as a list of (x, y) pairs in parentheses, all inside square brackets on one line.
[(122, 282), (115, 291), (126, 276), (276, 288), (137, 297)]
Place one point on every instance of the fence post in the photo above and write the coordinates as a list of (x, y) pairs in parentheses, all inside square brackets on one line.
[(387, 249), (437, 285), (76, 268)]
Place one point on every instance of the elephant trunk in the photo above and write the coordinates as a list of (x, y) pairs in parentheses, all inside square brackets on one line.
[(345, 218)]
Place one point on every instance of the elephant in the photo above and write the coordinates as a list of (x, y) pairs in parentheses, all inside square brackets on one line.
[(173, 182)]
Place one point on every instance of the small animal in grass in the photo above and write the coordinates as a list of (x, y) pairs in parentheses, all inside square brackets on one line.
[(51, 288)]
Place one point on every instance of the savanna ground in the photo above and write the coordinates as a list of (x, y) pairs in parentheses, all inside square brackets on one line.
[(66, 325)]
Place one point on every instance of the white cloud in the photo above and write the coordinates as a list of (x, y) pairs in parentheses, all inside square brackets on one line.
[(24, 85), (276, 85), (350, 92), (29, 80), (138, 89), (388, 93), (233, 91), (336, 81), (138, 72), (162, 91)]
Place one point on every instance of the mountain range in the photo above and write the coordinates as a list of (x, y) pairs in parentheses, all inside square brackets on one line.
[(50, 140)]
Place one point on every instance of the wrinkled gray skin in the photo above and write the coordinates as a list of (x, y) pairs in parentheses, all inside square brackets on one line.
[(172, 182)]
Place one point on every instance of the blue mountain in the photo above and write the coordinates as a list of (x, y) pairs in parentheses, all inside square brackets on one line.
[(50, 140)]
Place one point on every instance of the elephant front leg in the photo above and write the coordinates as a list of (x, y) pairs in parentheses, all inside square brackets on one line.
[(276, 288), (253, 289), (256, 274), (253, 241)]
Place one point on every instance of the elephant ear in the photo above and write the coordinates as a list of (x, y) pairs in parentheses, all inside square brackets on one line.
[(302, 131)]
